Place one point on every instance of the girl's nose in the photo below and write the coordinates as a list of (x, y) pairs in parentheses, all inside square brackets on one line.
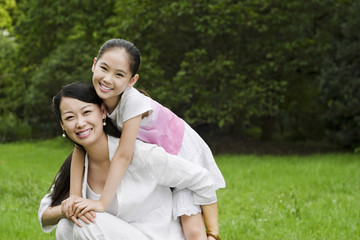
[(107, 78)]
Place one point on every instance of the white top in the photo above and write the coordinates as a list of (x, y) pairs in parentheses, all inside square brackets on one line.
[(161, 127), (131, 104), (144, 197)]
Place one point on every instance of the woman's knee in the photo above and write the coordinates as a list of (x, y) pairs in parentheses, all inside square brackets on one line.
[(88, 231), (64, 229)]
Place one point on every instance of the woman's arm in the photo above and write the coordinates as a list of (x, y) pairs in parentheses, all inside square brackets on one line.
[(211, 218), (51, 215), (173, 171)]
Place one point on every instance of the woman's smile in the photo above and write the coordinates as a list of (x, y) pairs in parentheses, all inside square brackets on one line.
[(85, 133)]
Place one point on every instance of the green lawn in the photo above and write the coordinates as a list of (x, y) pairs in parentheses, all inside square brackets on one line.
[(267, 197)]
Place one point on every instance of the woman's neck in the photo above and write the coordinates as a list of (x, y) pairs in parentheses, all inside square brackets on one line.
[(98, 151)]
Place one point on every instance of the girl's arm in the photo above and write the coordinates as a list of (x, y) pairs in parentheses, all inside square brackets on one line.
[(76, 172), (118, 167), (121, 159), (76, 175)]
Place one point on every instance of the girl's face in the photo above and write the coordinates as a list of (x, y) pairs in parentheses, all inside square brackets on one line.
[(111, 75), (82, 121)]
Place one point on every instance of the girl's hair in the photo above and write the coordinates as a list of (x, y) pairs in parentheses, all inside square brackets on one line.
[(130, 48), (86, 93)]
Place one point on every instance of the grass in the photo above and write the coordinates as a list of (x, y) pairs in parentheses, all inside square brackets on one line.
[(267, 197)]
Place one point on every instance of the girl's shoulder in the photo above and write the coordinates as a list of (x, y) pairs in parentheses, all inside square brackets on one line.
[(132, 97)]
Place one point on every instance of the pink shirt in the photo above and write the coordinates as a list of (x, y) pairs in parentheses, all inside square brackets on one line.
[(161, 127)]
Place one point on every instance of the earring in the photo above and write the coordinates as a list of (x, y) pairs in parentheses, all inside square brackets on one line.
[(63, 135), (104, 122)]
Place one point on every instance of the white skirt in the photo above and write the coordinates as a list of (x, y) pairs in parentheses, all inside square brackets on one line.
[(196, 150)]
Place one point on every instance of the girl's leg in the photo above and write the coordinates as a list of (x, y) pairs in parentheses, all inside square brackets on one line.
[(189, 213), (109, 227), (193, 227)]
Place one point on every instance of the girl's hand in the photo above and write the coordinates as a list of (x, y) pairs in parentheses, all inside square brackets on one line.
[(83, 205), (67, 210), (67, 206)]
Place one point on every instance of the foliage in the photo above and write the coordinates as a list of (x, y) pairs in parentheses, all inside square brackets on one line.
[(340, 83), (6, 9), (233, 65), (62, 54), (12, 128)]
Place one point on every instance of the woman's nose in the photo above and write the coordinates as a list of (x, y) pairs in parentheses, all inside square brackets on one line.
[(80, 122)]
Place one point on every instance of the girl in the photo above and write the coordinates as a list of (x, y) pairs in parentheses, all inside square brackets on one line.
[(138, 116)]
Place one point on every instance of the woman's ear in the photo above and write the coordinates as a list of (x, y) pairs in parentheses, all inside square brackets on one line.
[(94, 65), (133, 80), (62, 126), (103, 110)]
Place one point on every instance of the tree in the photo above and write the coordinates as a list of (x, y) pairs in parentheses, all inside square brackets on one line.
[(340, 82), (233, 64), (56, 46)]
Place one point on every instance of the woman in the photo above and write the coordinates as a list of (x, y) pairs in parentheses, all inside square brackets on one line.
[(142, 206)]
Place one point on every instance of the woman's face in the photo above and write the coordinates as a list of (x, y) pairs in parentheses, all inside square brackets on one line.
[(82, 121)]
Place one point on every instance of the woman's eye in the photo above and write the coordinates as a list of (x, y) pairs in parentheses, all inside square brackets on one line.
[(87, 112), (69, 118)]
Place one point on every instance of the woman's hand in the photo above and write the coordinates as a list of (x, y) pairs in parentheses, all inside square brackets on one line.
[(87, 218), (83, 205)]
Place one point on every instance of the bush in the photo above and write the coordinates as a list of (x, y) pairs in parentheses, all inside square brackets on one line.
[(12, 128)]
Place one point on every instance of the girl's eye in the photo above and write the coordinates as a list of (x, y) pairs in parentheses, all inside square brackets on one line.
[(103, 68), (119, 75)]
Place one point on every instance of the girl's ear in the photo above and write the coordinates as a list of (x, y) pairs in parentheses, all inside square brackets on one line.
[(133, 80), (94, 65)]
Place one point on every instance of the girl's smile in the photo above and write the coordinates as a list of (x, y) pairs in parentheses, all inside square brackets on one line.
[(112, 75)]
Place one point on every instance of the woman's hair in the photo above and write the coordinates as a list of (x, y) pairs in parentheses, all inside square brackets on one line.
[(61, 183), (130, 48), (86, 93)]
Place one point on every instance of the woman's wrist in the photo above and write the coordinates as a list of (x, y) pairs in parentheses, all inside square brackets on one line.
[(215, 235)]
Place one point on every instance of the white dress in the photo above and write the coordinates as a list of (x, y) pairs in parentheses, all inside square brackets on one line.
[(144, 198), (164, 128)]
